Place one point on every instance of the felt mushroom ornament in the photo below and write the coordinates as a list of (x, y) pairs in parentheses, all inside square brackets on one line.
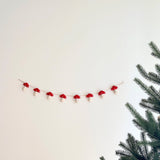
[(76, 98), (101, 93), (36, 90), (89, 96), (49, 94), (25, 85), (62, 97), (114, 88)]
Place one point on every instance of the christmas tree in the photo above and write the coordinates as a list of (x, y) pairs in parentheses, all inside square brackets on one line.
[(148, 147)]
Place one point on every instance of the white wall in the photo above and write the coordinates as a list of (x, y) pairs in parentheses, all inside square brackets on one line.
[(71, 46)]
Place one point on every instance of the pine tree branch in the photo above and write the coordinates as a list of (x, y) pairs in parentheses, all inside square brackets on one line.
[(102, 158), (157, 67), (149, 76), (155, 50), (150, 125), (132, 150), (143, 137), (153, 107), (147, 89)]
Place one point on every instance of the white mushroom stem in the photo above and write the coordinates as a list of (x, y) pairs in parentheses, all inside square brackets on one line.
[(76, 100), (101, 96), (114, 91), (34, 93), (89, 99), (23, 88), (48, 97), (61, 99)]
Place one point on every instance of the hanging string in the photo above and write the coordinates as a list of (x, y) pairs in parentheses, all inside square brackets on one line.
[(64, 96)]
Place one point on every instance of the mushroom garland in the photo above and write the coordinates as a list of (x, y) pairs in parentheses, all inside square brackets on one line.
[(101, 93), (36, 90), (76, 97), (25, 85), (114, 88), (89, 96), (62, 97), (49, 94)]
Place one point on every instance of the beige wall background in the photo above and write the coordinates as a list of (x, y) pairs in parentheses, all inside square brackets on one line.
[(72, 46)]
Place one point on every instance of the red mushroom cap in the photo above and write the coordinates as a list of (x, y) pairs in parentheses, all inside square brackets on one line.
[(63, 96), (26, 84), (36, 90), (76, 96), (89, 95), (114, 88), (101, 92), (49, 94)]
